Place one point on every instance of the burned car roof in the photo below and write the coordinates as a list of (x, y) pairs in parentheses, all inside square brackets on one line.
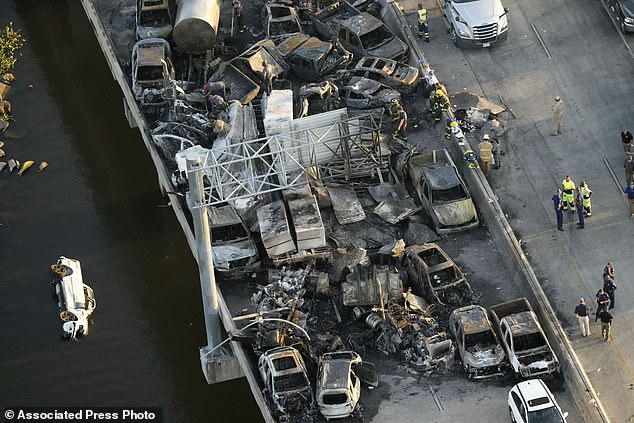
[(441, 176), (151, 53), (473, 319)]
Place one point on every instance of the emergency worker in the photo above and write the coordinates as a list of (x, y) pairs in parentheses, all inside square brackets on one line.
[(423, 29), (586, 192), (579, 203), (395, 109), (486, 153), (451, 127), (237, 13), (568, 188), (402, 126), (438, 102), (267, 77)]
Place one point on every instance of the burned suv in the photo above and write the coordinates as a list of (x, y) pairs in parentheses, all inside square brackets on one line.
[(152, 72), (480, 351), (286, 386)]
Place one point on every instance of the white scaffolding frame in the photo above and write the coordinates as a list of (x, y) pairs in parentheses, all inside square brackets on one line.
[(338, 151)]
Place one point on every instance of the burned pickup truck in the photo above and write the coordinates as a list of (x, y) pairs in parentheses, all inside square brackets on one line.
[(526, 345), (434, 275), (480, 351)]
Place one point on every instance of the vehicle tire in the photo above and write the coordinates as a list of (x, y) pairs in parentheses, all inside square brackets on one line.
[(67, 316), (511, 413), (622, 26), (58, 269), (454, 37)]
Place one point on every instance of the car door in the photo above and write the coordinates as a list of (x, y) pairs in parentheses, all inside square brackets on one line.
[(517, 408), (367, 373)]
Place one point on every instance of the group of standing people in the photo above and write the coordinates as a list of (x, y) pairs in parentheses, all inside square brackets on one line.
[(570, 197), (605, 302)]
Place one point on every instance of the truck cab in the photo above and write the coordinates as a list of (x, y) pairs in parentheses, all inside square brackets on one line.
[(476, 23), (526, 346)]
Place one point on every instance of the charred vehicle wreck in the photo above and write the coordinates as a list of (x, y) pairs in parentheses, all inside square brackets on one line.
[(299, 191)]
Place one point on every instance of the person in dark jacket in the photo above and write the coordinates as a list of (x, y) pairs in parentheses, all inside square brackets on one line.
[(609, 287), (606, 323), (558, 210), (581, 311), (603, 302)]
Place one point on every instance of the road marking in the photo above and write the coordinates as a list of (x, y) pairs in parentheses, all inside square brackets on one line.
[(539, 37)]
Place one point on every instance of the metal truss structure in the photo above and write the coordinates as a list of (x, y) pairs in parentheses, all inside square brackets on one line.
[(335, 151)]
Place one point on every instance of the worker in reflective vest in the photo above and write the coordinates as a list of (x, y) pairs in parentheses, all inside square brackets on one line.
[(423, 29), (586, 192), (569, 193)]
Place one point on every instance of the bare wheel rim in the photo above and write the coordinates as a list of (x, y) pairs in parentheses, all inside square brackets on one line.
[(58, 269), (67, 316)]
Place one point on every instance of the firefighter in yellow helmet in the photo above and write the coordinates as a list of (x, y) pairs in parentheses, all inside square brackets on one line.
[(438, 102), (423, 29), (568, 196)]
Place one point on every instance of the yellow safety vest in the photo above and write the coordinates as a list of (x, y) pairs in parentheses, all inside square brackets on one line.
[(587, 193), (569, 187), (422, 16)]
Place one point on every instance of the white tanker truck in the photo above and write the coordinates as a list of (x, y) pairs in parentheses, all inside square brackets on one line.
[(75, 299)]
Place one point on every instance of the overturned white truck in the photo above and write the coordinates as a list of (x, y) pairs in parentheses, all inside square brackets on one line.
[(75, 299)]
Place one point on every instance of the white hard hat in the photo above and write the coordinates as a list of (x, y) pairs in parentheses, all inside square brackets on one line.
[(485, 137), (557, 98)]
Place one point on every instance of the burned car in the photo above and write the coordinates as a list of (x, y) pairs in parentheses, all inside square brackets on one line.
[(279, 19), (286, 386), (152, 71), (153, 19), (442, 192), (363, 93), (233, 247), (310, 58), (339, 383), (434, 275), (365, 35), (480, 351), (396, 75)]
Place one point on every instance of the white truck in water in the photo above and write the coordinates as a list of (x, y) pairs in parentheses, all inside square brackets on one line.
[(75, 299), (476, 23)]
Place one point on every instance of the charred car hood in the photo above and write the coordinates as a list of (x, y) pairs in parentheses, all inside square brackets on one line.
[(455, 213), (394, 49), (484, 358), (480, 12)]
